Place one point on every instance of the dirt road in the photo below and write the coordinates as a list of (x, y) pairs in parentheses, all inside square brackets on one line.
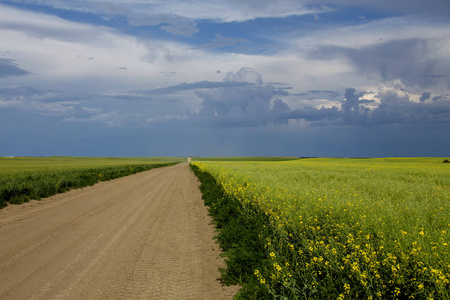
[(145, 236)]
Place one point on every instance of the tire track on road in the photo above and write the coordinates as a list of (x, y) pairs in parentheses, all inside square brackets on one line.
[(139, 237)]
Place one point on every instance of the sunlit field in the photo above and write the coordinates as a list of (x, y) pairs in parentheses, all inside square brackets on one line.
[(246, 158), (25, 178), (339, 228)]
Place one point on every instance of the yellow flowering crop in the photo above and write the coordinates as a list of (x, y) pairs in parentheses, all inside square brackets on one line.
[(348, 228)]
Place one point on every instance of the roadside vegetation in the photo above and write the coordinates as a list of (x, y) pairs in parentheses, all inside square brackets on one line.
[(22, 179), (332, 228)]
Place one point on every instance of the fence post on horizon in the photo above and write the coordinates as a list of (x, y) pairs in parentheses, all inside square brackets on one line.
[(189, 160)]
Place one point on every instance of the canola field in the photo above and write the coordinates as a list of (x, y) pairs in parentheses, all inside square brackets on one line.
[(337, 228), (25, 178)]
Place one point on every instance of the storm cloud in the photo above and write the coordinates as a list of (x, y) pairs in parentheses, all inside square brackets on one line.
[(257, 104), (8, 68), (410, 59), (394, 107), (247, 105)]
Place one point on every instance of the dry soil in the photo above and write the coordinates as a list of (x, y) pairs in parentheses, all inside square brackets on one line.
[(145, 236)]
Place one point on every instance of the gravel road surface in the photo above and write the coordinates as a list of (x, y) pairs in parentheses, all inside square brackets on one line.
[(145, 236)]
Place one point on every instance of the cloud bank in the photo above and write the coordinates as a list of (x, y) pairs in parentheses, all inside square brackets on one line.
[(251, 106), (242, 99)]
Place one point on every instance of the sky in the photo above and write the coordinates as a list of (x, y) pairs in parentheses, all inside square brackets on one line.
[(349, 78)]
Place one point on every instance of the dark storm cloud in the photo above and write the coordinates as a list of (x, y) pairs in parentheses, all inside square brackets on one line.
[(394, 107), (241, 101), (351, 103), (409, 60), (9, 68), (256, 105), (240, 106), (250, 108), (279, 109), (425, 96), (317, 94)]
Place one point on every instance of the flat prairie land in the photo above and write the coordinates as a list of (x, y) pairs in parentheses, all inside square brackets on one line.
[(25, 178), (144, 236), (21, 164), (328, 228)]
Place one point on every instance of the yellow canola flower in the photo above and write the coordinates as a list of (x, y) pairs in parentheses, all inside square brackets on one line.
[(361, 203)]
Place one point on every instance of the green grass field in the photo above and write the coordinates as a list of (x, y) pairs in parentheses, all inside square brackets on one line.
[(333, 228), (25, 178)]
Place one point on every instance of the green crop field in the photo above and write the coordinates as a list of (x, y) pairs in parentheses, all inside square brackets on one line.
[(245, 158), (25, 178), (332, 228)]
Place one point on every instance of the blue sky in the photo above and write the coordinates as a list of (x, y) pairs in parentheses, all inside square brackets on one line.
[(219, 78)]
